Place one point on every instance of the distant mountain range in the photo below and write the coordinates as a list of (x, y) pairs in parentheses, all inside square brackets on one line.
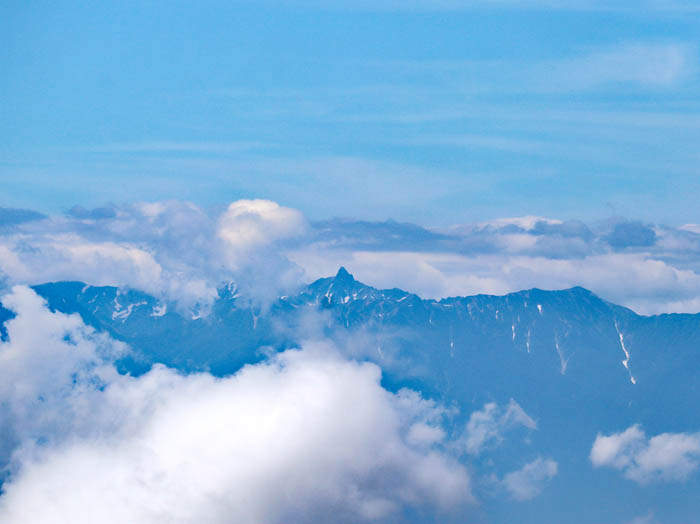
[(576, 364), (564, 339)]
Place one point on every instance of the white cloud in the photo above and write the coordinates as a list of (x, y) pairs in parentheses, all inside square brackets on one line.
[(528, 482), (66, 255), (664, 457), (304, 436), (50, 369), (170, 249), (487, 426), (252, 224)]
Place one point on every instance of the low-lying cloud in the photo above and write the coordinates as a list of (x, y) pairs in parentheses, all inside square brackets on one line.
[(173, 250), (305, 436)]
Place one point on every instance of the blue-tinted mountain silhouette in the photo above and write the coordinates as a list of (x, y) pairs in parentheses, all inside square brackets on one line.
[(554, 340)]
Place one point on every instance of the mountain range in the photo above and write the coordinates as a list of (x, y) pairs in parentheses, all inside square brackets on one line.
[(577, 364), (562, 341)]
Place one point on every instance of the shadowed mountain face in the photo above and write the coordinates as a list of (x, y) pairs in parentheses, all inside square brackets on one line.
[(578, 365)]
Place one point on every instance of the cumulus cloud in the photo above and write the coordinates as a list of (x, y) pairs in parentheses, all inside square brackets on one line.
[(487, 426), (664, 457), (173, 250), (529, 481), (304, 436), (250, 224), (253, 234)]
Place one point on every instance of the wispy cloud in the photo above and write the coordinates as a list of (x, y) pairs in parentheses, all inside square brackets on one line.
[(641, 64)]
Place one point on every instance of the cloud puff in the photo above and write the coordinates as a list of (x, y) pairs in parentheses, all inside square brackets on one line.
[(664, 457), (487, 426), (253, 235), (303, 437), (173, 250), (250, 224), (528, 482)]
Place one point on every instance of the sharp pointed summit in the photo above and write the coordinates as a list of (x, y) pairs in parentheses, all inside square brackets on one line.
[(343, 275)]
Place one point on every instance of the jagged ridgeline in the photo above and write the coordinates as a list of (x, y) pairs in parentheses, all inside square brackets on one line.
[(552, 350)]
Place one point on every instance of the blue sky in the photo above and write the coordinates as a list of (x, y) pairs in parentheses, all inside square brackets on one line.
[(433, 112)]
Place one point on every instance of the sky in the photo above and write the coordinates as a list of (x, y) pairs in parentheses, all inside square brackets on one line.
[(443, 147), (433, 112)]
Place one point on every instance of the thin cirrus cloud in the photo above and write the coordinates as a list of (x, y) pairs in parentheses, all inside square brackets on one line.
[(636, 64), (661, 458), (642, 64), (305, 436)]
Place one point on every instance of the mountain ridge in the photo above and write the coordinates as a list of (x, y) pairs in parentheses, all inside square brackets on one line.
[(566, 322)]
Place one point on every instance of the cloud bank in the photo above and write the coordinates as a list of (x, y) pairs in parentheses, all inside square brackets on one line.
[(650, 268), (306, 436), (180, 252), (173, 250)]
